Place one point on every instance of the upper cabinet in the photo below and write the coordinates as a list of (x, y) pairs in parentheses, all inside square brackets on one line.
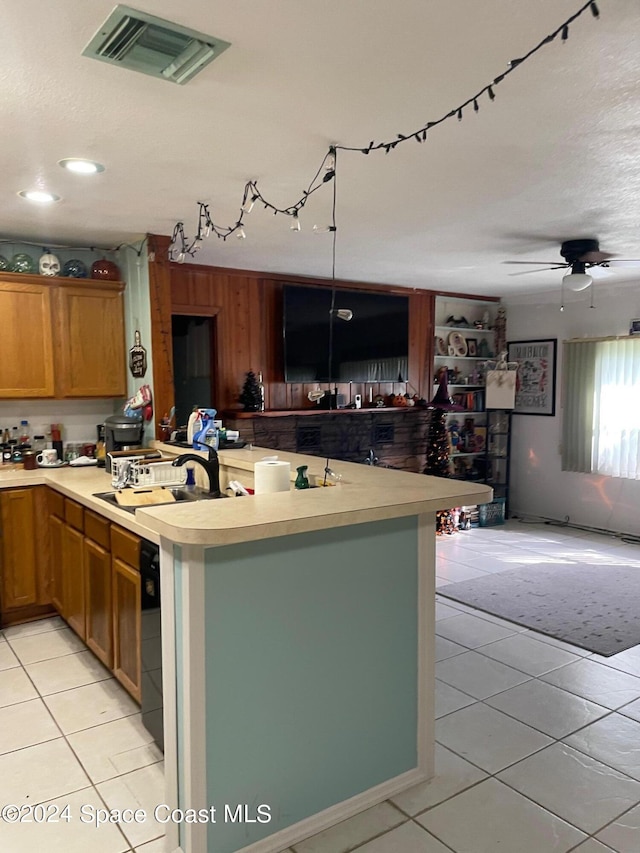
[(90, 340), (61, 337), (26, 342)]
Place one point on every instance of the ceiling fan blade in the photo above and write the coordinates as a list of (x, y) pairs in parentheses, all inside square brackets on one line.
[(595, 257), (528, 272), (533, 263), (623, 263)]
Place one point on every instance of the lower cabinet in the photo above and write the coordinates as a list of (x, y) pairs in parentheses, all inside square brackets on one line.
[(126, 627), (73, 580), (94, 570), (98, 586), (127, 615), (25, 587), (97, 569), (55, 549)]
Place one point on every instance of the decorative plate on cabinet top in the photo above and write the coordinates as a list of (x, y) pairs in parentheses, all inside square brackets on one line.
[(441, 347), (458, 343)]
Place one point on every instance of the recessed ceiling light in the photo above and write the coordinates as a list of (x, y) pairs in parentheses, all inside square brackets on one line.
[(82, 167), (39, 196)]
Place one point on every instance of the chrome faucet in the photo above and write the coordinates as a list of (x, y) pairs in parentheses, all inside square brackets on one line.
[(210, 465)]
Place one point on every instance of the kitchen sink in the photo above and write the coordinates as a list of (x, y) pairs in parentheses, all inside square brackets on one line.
[(180, 493)]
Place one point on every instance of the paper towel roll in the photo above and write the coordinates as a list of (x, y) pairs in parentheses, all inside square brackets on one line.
[(272, 476)]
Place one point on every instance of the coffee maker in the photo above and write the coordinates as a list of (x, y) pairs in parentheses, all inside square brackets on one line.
[(122, 433)]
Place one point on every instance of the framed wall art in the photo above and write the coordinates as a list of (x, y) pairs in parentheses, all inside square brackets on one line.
[(536, 382)]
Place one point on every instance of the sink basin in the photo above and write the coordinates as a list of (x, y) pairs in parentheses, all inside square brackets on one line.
[(180, 493)]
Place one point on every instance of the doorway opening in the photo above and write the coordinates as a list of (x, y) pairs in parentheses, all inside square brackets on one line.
[(193, 364)]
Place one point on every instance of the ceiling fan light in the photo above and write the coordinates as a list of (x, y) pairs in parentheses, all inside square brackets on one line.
[(577, 281)]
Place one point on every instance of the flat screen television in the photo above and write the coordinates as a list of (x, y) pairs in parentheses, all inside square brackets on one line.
[(371, 347)]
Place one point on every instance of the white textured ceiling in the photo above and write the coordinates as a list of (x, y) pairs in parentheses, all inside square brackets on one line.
[(556, 156)]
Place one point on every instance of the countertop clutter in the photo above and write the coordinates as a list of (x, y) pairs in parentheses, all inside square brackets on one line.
[(366, 493)]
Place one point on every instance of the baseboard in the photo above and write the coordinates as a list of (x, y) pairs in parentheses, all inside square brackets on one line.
[(335, 814)]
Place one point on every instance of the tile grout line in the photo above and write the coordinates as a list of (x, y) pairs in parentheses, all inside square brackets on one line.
[(92, 785)]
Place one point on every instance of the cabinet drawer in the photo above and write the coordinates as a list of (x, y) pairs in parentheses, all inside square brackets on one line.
[(55, 502), (97, 528), (73, 514), (125, 546)]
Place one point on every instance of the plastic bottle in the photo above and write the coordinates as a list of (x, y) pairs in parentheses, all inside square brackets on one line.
[(302, 481), (39, 443), (25, 435), (191, 423)]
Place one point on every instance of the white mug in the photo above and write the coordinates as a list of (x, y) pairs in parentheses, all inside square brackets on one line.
[(49, 456)]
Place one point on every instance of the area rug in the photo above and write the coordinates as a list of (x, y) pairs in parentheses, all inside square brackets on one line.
[(594, 607)]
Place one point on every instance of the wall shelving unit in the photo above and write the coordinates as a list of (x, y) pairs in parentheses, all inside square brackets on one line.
[(482, 435)]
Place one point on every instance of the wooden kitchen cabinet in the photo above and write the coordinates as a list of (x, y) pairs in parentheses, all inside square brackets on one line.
[(55, 510), (127, 631), (99, 630), (98, 587), (73, 575), (55, 542), (25, 587), (90, 342), (61, 337), (26, 343), (19, 576)]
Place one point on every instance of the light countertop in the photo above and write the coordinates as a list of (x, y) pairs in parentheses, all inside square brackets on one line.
[(366, 494)]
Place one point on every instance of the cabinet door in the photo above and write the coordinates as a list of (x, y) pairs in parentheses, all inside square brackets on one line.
[(55, 539), (26, 349), (19, 543), (126, 626), (73, 578), (91, 359), (97, 574)]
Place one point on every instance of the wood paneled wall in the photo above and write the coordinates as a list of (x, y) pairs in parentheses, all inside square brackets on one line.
[(247, 306)]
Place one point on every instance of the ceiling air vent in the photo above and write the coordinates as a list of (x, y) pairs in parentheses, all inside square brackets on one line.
[(150, 45)]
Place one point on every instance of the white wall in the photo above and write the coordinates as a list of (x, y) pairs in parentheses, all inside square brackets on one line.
[(538, 486)]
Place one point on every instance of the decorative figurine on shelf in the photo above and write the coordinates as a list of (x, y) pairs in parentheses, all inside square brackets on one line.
[(302, 481), (21, 262), (460, 322), (483, 348), (105, 270), (75, 268), (5, 266), (252, 396), (500, 327), (454, 436), (49, 264)]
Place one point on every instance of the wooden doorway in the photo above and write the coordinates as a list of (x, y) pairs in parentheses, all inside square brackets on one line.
[(194, 364)]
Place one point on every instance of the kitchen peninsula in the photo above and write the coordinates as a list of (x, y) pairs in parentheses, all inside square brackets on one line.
[(298, 648), (297, 644)]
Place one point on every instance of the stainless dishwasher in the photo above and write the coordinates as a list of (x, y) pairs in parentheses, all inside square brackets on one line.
[(151, 651)]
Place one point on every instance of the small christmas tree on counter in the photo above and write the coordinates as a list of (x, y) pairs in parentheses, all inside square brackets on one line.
[(252, 397)]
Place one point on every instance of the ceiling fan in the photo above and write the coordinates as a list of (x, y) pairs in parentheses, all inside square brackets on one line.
[(579, 256)]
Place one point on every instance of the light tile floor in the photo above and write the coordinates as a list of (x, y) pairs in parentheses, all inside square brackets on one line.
[(538, 742)]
